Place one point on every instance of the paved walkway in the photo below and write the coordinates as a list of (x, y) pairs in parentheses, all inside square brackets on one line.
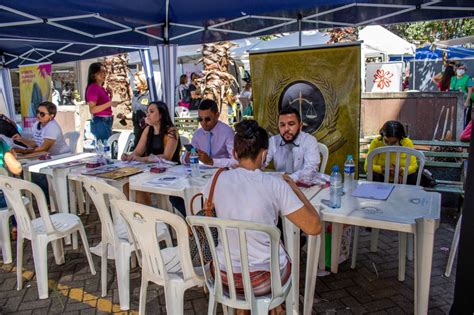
[(371, 288)]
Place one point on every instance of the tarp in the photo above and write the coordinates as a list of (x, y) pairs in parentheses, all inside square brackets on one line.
[(427, 53), (150, 22), (24, 51)]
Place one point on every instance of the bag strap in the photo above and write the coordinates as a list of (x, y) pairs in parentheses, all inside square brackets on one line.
[(208, 207)]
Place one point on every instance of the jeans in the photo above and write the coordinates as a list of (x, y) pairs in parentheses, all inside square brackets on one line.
[(42, 181), (101, 127), (178, 203)]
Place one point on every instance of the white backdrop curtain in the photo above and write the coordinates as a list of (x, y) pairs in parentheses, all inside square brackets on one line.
[(167, 55), (7, 105)]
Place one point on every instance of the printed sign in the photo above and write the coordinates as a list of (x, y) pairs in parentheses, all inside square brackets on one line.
[(384, 77)]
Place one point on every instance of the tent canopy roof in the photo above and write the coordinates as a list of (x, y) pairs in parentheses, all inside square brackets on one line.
[(150, 22), (427, 52)]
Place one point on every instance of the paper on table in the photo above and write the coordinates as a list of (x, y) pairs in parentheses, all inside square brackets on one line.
[(373, 191)]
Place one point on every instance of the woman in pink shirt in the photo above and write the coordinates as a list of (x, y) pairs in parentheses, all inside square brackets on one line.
[(100, 103)]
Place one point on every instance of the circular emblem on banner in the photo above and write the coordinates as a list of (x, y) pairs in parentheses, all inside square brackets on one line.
[(308, 100)]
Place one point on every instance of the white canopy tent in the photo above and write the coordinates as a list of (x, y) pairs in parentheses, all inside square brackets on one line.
[(379, 38)]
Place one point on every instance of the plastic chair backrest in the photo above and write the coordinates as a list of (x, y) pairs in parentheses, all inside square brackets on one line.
[(181, 111), (141, 221), (400, 152), (72, 138), (184, 140), (3, 171), (324, 151), (101, 193), (12, 189), (238, 229), (124, 141)]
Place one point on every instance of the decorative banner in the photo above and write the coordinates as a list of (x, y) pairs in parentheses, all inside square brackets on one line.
[(384, 77), (323, 83), (35, 87)]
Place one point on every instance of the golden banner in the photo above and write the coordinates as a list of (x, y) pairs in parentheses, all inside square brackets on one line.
[(323, 83)]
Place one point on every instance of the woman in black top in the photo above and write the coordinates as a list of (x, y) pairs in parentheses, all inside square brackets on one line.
[(159, 139)]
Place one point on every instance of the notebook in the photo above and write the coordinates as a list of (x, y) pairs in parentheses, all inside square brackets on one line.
[(376, 191)]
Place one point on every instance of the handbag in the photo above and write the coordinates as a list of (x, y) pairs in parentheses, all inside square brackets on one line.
[(207, 211)]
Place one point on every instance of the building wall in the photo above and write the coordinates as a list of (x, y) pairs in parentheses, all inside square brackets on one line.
[(422, 113)]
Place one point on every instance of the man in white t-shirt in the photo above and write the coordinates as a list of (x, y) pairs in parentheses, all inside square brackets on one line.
[(293, 151)]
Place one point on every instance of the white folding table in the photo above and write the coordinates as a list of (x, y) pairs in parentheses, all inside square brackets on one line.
[(408, 209)]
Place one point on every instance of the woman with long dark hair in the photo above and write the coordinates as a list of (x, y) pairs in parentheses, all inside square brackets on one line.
[(392, 133), (443, 79), (159, 138), (100, 102)]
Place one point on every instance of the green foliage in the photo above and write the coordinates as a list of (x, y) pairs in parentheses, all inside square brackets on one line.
[(430, 31), (266, 37)]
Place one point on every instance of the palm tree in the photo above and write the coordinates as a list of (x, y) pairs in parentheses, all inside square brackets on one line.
[(217, 80), (341, 35), (117, 79)]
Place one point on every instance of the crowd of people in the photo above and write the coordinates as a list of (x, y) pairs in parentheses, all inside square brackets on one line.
[(245, 150), (454, 78)]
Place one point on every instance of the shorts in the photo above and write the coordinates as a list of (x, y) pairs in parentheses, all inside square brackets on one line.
[(261, 280)]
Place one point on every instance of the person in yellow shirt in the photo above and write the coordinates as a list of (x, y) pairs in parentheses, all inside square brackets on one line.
[(392, 133)]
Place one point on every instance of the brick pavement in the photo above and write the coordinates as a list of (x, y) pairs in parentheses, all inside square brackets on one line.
[(371, 288)]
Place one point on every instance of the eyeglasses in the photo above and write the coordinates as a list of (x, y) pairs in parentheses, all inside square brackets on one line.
[(40, 113), (206, 119)]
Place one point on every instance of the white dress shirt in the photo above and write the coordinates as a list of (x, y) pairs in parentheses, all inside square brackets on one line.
[(295, 158)]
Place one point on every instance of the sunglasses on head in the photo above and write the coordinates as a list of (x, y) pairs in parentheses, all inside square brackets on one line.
[(40, 113), (206, 119)]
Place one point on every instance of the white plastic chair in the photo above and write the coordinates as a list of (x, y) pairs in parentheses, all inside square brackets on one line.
[(170, 267), (122, 140), (71, 139), (388, 151), (5, 214), (324, 151), (115, 237), (454, 248), (181, 111), (40, 231), (184, 140), (228, 297)]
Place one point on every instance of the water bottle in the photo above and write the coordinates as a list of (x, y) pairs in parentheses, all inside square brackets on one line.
[(194, 161), (107, 152), (349, 171), (99, 150), (335, 188)]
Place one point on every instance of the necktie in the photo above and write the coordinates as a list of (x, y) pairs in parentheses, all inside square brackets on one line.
[(210, 144), (289, 158)]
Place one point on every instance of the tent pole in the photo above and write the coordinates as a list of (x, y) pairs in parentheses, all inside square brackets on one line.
[(299, 29)]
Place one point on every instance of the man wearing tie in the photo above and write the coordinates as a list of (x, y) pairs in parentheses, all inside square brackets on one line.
[(214, 142), (293, 151)]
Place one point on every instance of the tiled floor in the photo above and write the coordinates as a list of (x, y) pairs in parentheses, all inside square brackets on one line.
[(371, 288)]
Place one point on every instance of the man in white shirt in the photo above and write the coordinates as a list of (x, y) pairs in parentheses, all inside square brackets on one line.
[(293, 151)]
